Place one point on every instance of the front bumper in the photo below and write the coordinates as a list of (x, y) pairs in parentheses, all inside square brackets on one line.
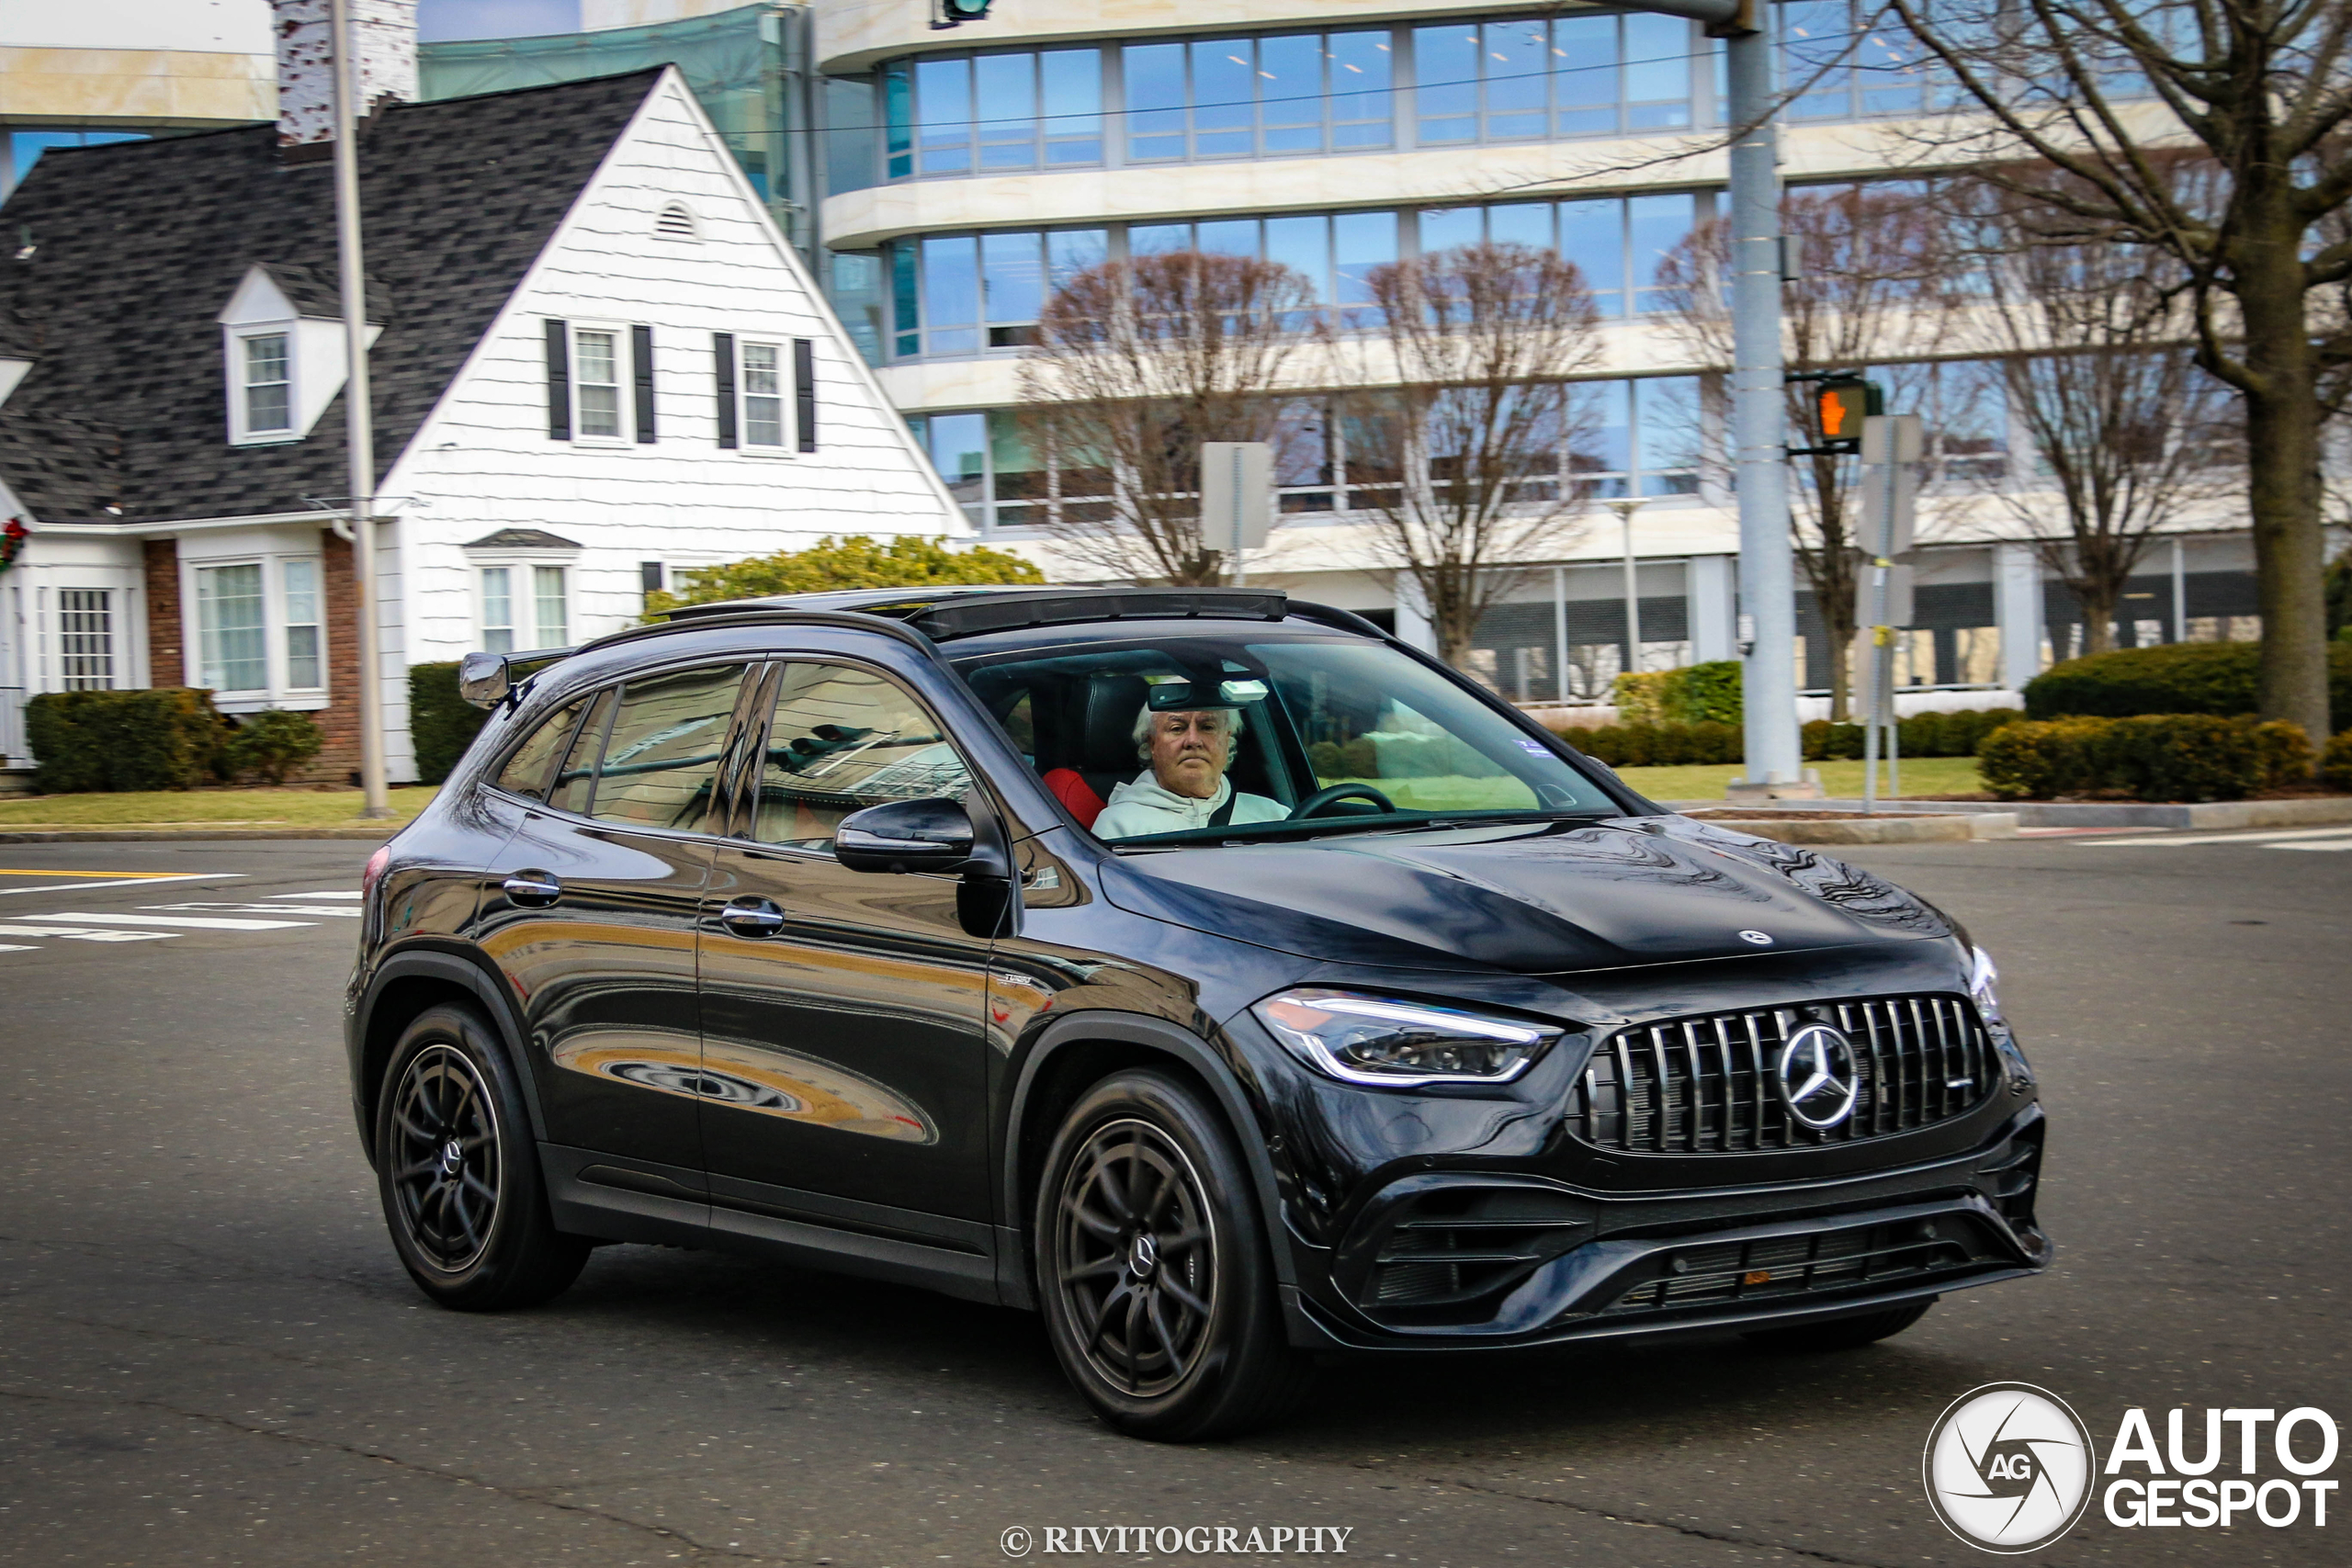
[(1453, 1259)]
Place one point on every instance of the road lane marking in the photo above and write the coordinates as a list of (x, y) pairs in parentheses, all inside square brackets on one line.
[(144, 879), (122, 875), (14, 947), (70, 934), (261, 908), (2268, 840), (2339, 844), (322, 893), (194, 922)]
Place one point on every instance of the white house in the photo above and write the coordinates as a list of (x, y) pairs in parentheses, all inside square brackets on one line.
[(596, 361)]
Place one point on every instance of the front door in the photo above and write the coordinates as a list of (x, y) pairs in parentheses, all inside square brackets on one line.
[(593, 914), (841, 1009)]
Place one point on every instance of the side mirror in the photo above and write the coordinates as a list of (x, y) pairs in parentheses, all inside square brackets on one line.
[(483, 679), (905, 835)]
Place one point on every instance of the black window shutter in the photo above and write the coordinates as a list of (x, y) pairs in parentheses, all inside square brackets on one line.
[(559, 381), (804, 390), (722, 354), (641, 344)]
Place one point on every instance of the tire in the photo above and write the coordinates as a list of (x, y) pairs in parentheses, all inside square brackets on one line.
[(1840, 1332), (1161, 1307), (458, 1174)]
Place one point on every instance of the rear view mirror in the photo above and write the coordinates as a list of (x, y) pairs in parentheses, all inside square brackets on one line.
[(1184, 696), (905, 835)]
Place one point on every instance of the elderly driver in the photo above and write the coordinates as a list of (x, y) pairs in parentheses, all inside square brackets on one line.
[(1186, 787)]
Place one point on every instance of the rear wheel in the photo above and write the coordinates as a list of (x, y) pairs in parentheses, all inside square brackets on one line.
[(1153, 1268), (1840, 1332), (457, 1173)]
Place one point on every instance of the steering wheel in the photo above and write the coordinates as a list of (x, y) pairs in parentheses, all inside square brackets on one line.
[(1329, 793)]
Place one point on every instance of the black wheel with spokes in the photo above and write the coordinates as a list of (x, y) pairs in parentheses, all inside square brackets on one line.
[(1153, 1268), (458, 1174)]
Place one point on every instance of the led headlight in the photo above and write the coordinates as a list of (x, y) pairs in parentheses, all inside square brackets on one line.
[(1378, 1039), (1983, 984)]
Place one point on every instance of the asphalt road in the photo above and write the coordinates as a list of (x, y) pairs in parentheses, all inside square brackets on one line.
[(207, 1354)]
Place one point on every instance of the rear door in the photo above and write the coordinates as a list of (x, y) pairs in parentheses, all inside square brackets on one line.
[(842, 1053), (592, 917)]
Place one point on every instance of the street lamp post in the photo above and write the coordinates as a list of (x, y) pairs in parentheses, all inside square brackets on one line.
[(358, 408), (1625, 507)]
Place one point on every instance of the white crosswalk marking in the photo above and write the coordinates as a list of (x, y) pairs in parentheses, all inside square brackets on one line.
[(263, 908), (14, 947), (72, 934), (2269, 840), (2338, 844), (322, 893), (193, 922)]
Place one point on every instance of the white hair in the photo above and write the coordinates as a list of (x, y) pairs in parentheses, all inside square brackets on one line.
[(1143, 726)]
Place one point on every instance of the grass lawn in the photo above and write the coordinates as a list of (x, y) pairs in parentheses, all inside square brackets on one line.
[(218, 807), (1921, 775)]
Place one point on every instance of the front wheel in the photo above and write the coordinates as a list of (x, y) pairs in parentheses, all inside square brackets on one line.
[(458, 1174), (1153, 1267)]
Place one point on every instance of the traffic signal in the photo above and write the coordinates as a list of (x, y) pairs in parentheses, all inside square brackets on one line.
[(953, 13), (1842, 402)]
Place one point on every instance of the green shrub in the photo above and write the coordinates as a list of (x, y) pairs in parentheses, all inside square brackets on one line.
[(165, 737), (1658, 745), (2335, 762), (1954, 734), (2181, 677), (1825, 742), (2286, 753), (441, 723), (906, 561), (271, 744), (2156, 757), (1696, 694)]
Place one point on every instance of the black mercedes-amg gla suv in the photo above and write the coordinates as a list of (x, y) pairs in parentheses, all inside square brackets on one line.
[(782, 926)]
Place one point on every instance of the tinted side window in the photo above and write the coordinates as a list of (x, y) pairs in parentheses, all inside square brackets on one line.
[(526, 773), (661, 761), (843, 740), (577, 777)]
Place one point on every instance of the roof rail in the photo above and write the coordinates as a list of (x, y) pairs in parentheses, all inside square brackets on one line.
[(1010, 612)]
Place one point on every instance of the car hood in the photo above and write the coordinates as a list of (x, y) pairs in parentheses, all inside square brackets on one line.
[(1530, 898)]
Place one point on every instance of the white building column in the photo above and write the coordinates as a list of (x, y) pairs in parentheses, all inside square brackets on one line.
[(1414, 627), (2018, 612), (1713, 608)]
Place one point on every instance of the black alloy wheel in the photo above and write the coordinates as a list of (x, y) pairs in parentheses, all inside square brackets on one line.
[(1153, 1267), (457, 1173)]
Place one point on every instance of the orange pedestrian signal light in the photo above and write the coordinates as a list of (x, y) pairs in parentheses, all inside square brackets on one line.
[(1842, 403)]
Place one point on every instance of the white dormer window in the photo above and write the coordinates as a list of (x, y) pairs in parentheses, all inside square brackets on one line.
[(281, 368), (269, 384)]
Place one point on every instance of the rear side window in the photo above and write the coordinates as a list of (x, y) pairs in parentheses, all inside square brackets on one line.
[(576, 780), (661, 759), (526, 773)]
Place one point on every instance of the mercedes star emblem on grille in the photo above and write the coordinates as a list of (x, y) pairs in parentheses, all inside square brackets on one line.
[(1819, 1080)]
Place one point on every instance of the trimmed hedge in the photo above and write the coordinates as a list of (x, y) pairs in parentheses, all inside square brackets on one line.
[(1658, 745), (1672, 745), (2180, 677), (1696, 694), (1955, 734), (2336, 761), (441, 723), (271, 744), (166, 737), (2155, 757)]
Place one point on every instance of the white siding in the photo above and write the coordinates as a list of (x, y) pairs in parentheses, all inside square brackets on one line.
[(483, 460)]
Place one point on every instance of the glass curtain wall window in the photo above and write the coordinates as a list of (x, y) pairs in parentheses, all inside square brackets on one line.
[(1529, 79), (86, 638), (269, 382), (993, 113), (1645, 437), (232, 638), (305, 666), (596, 382), (955, 295), (1258, 97), (1844, 60)]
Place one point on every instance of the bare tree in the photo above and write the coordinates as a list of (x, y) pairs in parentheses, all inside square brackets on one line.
[(1134, 365), (1466, 459), (2097, 372), (2263, 90), (1875, 275)]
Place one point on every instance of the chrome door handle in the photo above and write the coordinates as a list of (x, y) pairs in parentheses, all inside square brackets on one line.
[(753, 917), (533, 889)]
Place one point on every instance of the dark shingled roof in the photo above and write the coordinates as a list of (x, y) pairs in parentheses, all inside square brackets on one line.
[(138, 246), (522, 539)]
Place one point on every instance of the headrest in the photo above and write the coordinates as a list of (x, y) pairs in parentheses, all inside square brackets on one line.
[(1107, 723)]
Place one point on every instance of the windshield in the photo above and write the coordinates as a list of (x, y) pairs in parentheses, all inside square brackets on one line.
[(1193, 738)]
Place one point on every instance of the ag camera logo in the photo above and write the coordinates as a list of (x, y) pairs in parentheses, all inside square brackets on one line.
[(2008, 1468)]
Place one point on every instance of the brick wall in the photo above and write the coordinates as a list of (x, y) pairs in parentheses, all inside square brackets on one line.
[(338, 761), (162, 560)]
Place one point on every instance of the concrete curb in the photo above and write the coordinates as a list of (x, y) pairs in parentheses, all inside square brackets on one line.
[(2309, 811), (1910, 828), (369, 835)]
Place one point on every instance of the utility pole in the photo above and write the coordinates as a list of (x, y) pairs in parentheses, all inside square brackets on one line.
[(1624, 508), (358, 409), (1892, 444), (1767, 627)]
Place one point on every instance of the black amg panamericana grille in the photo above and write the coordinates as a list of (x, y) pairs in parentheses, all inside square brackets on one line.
[(1705, 1275), (1706, 1084)]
